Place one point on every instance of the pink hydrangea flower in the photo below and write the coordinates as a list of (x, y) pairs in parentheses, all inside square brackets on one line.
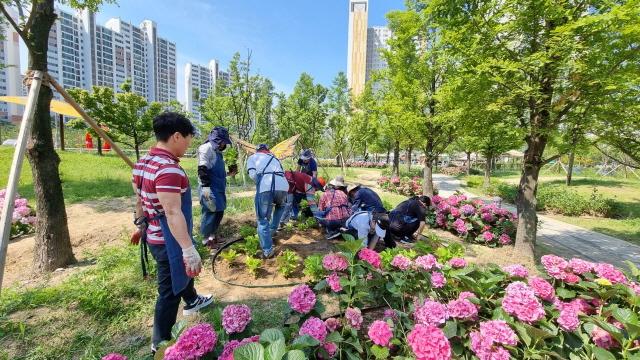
[(194, 343), (488, 236), (437, 280), (458, 263), (380, 333), (235, 318), (401, 262), (485, 342), (571, 278), (487, 217), (610, 273), (602, 338), (635, 287), (568, 319), (468, 209), (579, 266), (334, 282), (462, 309), (370, 256), (436, 199), (330, 348), (455, 212), (460, 226), (354, 317), (315, 328), (229, 347), (390, 314), (114, 356), (332, 324), (516, 270), (440, 220), (302, 299), (555, 266), (334, 262), (429, 343), (427, 262), (520, 301), (504, 239), (465, 295), (542, 288), (430, 313)]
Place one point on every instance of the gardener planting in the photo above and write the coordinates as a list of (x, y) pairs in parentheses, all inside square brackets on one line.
[(301, 186), (271, 195), (164, 209), (369, 228), (407, 220), (363, 198), (307, 164), (334, 208), (212, 179)]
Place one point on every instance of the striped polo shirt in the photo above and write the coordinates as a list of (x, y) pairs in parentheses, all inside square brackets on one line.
[(158, 171)]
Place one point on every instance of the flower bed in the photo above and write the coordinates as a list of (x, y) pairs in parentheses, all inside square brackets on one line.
[(367, 164), (473, 220), (438, 309), (403, 186), (23, 219)]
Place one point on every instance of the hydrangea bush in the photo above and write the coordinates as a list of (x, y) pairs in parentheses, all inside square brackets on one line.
[(404, 186), (473, 220), (23, 219)]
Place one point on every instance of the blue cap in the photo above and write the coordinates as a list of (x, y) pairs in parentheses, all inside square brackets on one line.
[(306, 154), (262, 147), (218, 136)]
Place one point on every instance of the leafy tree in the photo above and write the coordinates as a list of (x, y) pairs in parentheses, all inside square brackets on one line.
[(364, 128), (339, 107), (263, 105), (52, 243), (305, 113), (544, 60)]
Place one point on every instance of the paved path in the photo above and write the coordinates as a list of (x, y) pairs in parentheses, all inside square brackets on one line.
[(565, 239)]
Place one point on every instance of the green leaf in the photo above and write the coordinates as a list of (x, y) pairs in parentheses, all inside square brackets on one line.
[(450, 329), (625, 316), (276, 350), (250, 351), (296, 355), (334, 337), (565, 294), (523, 333), (304, 341), (178, 328), (602, 354), (380, 352), (537, 334), (271, 335)]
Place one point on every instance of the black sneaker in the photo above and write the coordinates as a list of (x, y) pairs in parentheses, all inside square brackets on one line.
[(406, 240), (334, 235), (201, 302)]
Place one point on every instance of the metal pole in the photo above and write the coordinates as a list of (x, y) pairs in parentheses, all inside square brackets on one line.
[(61, 120), (90, 121), (16, 167)]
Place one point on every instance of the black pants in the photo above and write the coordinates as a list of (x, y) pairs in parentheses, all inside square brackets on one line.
[(398, 230), (167, 303)]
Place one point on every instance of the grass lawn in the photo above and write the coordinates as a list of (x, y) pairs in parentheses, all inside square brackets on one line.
[(624, 192)]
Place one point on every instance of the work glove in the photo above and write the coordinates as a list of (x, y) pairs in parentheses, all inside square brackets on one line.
[(192, 261), (141, 224), (206, 192)]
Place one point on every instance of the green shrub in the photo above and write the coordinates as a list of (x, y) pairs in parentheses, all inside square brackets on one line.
[(287, 262), (313, 267), (562, 200), (247, 230)]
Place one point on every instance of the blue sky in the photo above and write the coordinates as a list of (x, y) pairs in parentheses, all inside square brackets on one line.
[(286, 37)]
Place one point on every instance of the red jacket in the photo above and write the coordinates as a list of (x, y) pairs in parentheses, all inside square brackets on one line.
[(298, 181)]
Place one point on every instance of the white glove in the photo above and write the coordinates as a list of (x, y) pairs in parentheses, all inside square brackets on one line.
[(206, 192), (192, 261)]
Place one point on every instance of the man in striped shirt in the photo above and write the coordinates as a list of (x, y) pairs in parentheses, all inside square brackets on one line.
[(164, 203)]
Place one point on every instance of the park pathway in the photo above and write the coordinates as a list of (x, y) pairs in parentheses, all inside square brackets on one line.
[(565, 239)]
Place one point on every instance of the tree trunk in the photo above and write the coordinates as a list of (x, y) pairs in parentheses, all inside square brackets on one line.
[(396, 159), (487, 173), (52, 242), (388, 154), (427, 181), (570, 166), (409, 159), (342, 165), (61, 130), (136, 145), (99, 138)]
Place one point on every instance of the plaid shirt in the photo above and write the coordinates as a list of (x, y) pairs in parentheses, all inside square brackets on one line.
[(338, 202)]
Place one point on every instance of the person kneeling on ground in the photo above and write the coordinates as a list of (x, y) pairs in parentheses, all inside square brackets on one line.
[(212, 178), (163, 212), (407, 220), (271, 190), (363, 198), (368, 227), (334, 208), (301, 186)]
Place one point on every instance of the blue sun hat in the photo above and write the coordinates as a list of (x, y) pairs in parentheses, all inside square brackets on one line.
[(218, 136)]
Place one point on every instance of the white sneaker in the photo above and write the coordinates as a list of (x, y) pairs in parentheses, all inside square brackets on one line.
[(200, 302)]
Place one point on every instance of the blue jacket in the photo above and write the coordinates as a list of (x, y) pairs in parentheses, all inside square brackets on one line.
[(367, 200)]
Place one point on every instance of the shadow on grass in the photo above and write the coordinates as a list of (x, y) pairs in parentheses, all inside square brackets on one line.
[(632, 236), (590, 182)]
